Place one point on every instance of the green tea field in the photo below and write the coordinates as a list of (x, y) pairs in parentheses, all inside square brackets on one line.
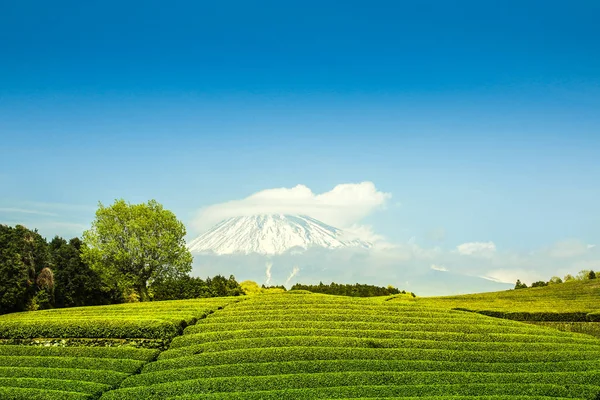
[(305, 346)]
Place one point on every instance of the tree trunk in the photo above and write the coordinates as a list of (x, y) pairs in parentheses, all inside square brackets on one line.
[(143, 292)]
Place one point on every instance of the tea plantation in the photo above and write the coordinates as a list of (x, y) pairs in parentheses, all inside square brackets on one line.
[(296, 346)]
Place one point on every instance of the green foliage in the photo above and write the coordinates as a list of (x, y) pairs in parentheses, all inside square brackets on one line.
[(308, 345), (187, 287), (312, 346), (591, 275), (356, 290), (156, 320), (569, 297), (83, 363), (280, 287), (520, 285), (555, 280), (250, 288), (130, 245), (83, 370), (18, 393), (390, 391), (539, 284), (23, 254), (90, 352), (76, 283), (587, 328), (92, 328)]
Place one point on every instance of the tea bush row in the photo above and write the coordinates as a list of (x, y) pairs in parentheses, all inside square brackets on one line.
[(63, 385), (276, 354), (17, 393), (425, 326), (90, 352), (112, 378), (413, 383), (92, 328), (119, 365), (339, 341), (525, 336), (320, 366)]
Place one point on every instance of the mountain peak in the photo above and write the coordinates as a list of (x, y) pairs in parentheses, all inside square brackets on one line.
[(271, 234)]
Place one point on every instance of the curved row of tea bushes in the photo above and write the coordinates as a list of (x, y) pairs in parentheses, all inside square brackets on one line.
[(349, 393), (31, 372), (160, 320), (34, 372), (316, 346), (522, 336), (441, 343), (402, 384), (322, 366)]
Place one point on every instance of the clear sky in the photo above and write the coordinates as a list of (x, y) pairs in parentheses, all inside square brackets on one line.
[(480, 118)]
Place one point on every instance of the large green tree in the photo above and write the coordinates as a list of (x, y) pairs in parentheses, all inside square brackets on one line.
[(131, 245)]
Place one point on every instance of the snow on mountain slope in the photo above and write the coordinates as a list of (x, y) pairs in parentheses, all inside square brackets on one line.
[(270, 234)]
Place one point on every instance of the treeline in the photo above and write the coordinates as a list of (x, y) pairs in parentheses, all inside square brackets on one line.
[(583, 275), (35, 274), (356, 290)]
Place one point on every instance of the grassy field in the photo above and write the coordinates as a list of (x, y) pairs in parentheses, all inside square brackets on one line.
[(571, 306), (306, 346)]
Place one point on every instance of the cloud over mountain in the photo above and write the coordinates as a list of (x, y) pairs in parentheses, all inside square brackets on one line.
[(343, 206)]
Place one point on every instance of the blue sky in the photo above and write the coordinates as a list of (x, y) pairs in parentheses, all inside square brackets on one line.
[(479, 118)]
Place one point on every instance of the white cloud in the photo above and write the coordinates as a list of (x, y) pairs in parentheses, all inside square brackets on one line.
[(268, 272), (343, 206), (26, 211), (511, 275), (436, 267), (591, 246), (405, 262), (366, 233), (295, 270), (483, 249), (569, 248)]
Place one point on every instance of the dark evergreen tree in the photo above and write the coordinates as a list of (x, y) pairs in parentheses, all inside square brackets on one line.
[(520, 285), (591, 275), (76, 284)]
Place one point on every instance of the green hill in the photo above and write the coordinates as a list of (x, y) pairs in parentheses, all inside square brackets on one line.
[(305, 346), (562, 298)]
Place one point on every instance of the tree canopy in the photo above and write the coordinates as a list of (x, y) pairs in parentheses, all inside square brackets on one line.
[(356, 290), (131, 245)]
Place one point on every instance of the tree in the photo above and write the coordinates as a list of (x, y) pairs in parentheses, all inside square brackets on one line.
[(23, 255), (555, 280), (76, 284), (539, 284), (568, 278), (583, 275), (131, 245), (591, 275), (520, 285)]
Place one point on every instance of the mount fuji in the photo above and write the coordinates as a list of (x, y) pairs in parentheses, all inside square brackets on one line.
[(271, 234)]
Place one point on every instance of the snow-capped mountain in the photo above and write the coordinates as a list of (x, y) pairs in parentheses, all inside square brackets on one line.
[(270, 234)]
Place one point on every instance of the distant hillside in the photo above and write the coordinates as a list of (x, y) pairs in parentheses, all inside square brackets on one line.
[(572, 306), (567, 297)]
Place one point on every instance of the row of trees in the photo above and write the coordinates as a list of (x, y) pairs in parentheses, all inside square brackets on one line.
[(356, 290), (36, 274), (131, 253), (583, 275)]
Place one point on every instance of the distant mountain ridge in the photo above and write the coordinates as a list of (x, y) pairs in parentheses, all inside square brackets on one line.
[(271, 234)]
